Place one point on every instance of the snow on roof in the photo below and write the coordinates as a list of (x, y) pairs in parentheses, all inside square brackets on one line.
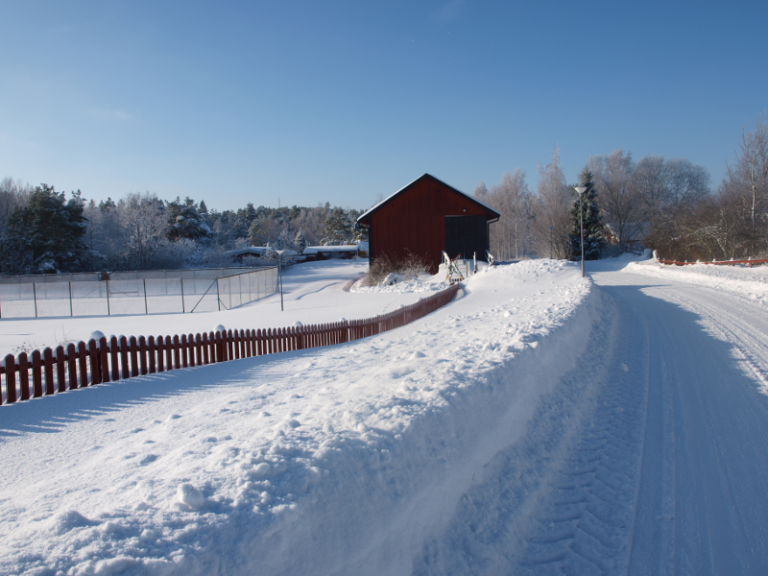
[(380, 204)]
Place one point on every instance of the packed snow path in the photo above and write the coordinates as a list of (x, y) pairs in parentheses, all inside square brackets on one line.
[(664, 472)]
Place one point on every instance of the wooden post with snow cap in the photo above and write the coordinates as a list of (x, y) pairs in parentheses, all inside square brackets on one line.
[(104, 359), (23, 376)]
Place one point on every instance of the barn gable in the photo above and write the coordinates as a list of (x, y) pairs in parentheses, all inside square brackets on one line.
[(426, 217)]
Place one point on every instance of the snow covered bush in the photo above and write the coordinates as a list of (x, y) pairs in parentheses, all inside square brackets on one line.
[(384, 269)]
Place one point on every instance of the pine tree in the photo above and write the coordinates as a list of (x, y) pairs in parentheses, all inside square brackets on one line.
[(47, 234), (337, 227), (300, 243), (594, 239)]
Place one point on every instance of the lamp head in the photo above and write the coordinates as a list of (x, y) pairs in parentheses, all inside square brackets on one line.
[(580, 189)]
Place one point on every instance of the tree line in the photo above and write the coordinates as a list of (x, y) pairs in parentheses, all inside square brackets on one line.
[(656, 202), (46, 231)]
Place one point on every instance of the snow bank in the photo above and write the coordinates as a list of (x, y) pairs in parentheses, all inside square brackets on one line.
[(328, 461), (751, 283)]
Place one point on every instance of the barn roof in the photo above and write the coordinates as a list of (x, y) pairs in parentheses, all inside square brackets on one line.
[(493, 213)]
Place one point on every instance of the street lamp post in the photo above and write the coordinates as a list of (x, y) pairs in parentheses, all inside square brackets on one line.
[(581, 190)]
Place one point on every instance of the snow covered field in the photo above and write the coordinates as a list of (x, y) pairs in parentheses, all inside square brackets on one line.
[(313, 293), (540, 424)]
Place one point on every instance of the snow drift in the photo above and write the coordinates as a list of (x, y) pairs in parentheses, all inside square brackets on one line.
[(326, 461)]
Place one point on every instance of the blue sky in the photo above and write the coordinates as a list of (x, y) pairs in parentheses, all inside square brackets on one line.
[(308, 102)]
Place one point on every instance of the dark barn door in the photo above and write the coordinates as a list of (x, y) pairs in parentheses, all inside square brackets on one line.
[(465, 235)]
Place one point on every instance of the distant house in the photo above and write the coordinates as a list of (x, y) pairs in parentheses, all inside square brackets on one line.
[(426, 217)]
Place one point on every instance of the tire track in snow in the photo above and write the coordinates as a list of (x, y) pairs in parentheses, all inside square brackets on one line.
[(747, 336), (592, 501), (557, 501), (649, 460)]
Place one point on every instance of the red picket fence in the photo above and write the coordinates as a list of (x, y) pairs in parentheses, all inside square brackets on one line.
[(81, 365), (749, 262)]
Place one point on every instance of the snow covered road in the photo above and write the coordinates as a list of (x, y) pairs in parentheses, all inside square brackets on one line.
[(663, 472)]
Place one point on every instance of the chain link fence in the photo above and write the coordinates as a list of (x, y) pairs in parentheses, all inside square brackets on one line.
[(138, 292)]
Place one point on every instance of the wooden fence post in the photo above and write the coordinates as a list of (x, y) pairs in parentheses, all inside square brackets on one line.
[(123, 348), (134, 357), (10, 379), (152, 351), (61, 375), (169, 354), (104, 359), (206, 345), (93, 354), (82, 362), (160, 354), (24, 376), (50, 386), (143, 355), (37, 374), (176, 355), (72, 366), (183, 346), (114, 348)]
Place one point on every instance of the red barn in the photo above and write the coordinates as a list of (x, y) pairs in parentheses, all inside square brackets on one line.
[(426, 217)]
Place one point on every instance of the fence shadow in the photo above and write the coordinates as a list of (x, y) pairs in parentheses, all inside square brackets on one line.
[(52, 414)]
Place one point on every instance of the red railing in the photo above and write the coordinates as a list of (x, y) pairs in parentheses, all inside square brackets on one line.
[(749, 262), (86, 364)]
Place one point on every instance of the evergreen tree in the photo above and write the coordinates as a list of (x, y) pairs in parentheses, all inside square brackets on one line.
[(594, 239), (46, 235), (337, 227), (185, 221), (300, 243)]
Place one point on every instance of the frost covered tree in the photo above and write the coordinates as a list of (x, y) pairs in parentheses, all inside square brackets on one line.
[(338, 229), (552, 225), (144, 225), (618, 195), (300, 242), (511, 236), (586, 205), (186, 221), (745, 187), (46, 234)]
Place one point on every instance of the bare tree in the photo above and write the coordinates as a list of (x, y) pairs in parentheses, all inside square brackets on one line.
[(552, 210), (12, 195), (511, 235), (651, 181), (144, 222), (618, 195), (748, 178)]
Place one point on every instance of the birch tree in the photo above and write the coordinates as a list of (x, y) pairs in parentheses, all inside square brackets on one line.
[(553, 205), (618, 196)]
